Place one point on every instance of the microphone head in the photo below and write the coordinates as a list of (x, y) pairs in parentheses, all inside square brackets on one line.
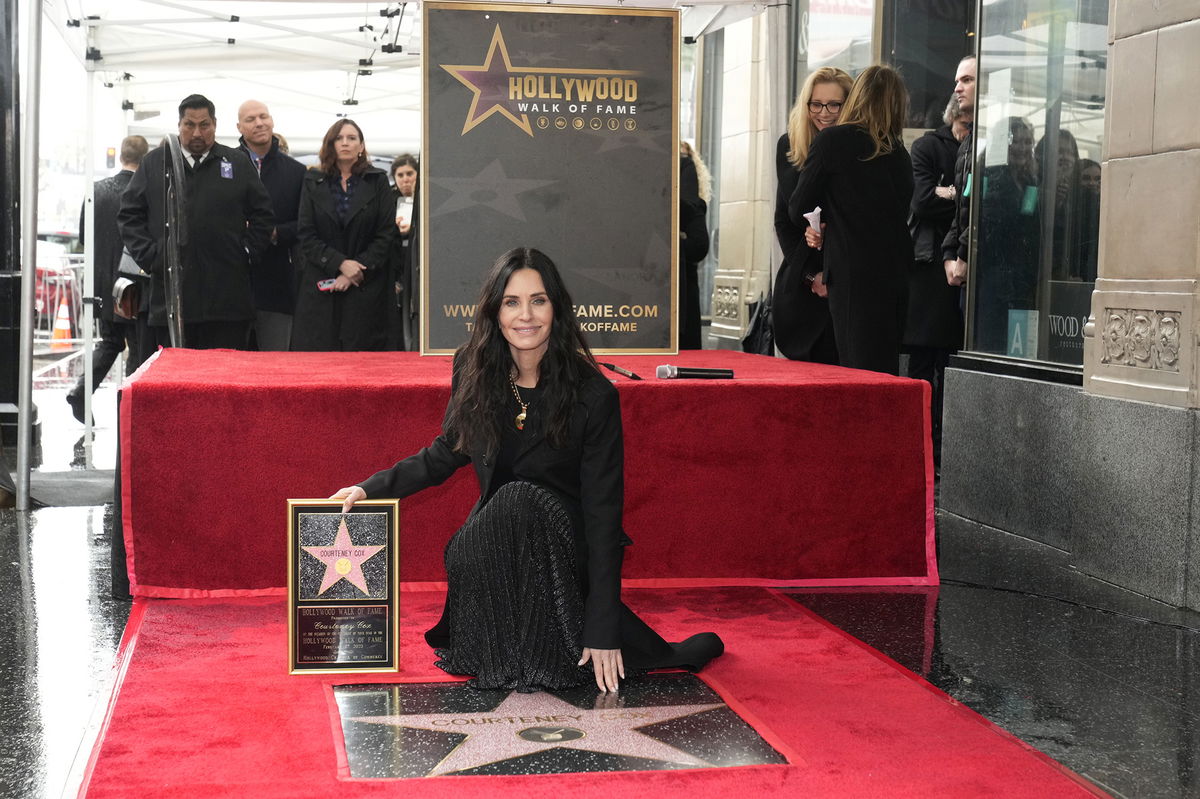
[(666, 371)]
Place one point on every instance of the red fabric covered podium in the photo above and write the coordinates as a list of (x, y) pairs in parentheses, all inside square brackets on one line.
[(790, 474)]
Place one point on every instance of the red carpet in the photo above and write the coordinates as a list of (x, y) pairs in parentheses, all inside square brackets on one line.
[(791, 474), (206, 709)]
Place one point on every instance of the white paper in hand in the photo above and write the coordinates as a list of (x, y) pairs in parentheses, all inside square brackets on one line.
[(814, 218)]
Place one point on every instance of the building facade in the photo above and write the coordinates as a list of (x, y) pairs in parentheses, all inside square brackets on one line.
[(1071, 413)]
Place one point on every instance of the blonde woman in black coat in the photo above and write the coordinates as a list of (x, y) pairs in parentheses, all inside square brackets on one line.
[(347, 220), (860, 174), (803, 328)]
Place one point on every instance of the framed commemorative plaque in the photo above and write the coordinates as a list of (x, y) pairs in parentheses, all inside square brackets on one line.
[(343, 586)]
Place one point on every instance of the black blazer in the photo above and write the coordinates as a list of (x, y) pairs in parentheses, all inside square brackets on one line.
[(275, 278), (933, 316), (587, 475), (229, 221), (107, 250), (801, 318), (355, 319)]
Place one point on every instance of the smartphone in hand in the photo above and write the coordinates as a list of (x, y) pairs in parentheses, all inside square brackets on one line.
[(327, 284)]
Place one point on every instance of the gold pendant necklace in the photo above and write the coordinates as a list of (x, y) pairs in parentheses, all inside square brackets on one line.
[(520, 420)]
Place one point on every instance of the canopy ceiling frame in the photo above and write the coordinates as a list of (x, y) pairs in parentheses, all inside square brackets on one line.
[(93, 30)]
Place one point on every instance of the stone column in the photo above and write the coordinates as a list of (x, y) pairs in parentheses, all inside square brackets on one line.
[(747, 181), (1145, 307)]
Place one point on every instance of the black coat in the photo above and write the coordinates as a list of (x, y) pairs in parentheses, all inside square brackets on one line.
[(404, 263), (275, 277), (355, 319), (868, 250), (955, 243), (587, 475), (693, 247), (934, 317), (229, 226), (801, 318), (106, 256)]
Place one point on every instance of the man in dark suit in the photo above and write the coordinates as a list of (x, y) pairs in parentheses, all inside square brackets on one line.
[(229, 223), (115, 333), (276, 277)]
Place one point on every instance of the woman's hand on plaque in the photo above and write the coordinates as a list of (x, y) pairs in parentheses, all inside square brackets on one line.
[(608, 664), (349, 495)]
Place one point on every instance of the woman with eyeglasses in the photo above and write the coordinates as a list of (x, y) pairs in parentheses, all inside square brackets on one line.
[(803, 328), (860, 174)]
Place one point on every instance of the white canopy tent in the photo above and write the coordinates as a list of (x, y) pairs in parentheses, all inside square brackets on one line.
[(309, 61)]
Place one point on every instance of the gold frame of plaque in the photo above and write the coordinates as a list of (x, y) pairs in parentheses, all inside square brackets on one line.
[(340, 583)]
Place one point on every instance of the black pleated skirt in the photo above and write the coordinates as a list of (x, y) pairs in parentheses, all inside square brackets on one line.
[(514, 605)]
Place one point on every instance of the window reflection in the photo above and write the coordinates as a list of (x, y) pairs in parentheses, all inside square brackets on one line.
[(1039, 127)]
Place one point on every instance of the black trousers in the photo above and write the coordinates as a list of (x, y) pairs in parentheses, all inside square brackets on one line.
[(929, 364), (205, 336), (114, 338)]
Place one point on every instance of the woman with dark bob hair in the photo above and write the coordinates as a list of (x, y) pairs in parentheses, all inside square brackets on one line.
[(346, 224), (534, 575)]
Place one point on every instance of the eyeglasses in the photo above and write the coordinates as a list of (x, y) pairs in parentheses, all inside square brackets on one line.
[(817, 108)]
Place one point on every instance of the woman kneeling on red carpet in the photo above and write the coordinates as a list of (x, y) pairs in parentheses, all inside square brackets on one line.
[(534, 575)]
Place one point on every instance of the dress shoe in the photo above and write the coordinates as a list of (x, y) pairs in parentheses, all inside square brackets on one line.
[(76, 403)]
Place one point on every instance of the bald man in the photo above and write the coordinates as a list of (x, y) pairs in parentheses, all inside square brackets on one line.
[(275, 278)]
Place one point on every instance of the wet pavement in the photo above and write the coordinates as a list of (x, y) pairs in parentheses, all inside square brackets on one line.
[(1101, 679)]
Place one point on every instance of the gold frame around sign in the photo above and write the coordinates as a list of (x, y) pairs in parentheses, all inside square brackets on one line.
[(393, 505), (422, 250)]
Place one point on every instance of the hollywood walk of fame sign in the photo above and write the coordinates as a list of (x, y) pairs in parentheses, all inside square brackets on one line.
[(556, 128), (656, 722), (343, 592)]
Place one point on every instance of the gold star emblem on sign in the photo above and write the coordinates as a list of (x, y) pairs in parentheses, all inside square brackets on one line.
[(489, 83)]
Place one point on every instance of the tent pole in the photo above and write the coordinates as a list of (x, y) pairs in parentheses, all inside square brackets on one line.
[(89, 268), (29, 207)]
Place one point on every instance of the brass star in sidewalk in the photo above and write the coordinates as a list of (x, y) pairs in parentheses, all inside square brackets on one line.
[(525, 724)]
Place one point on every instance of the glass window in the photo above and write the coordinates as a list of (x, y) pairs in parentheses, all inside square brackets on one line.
[(1039, 124), (832, 33), (925, 41)]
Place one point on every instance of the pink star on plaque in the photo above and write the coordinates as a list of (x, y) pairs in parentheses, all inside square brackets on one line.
[(343, 560)]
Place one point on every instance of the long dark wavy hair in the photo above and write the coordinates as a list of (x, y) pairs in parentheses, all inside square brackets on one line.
[(483, 396), (328, 153)]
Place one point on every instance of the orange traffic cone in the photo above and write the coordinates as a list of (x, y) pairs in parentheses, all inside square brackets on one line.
[(60, 339)]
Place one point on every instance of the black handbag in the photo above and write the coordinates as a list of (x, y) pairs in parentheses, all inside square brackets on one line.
[(760, 336), (127, 288)]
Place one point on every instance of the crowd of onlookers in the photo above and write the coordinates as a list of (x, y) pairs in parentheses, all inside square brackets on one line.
[(279, 256), (276, 256), (875, 238)]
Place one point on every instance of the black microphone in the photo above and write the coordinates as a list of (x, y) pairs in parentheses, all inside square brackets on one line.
[(619, 370), (692, 372)]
